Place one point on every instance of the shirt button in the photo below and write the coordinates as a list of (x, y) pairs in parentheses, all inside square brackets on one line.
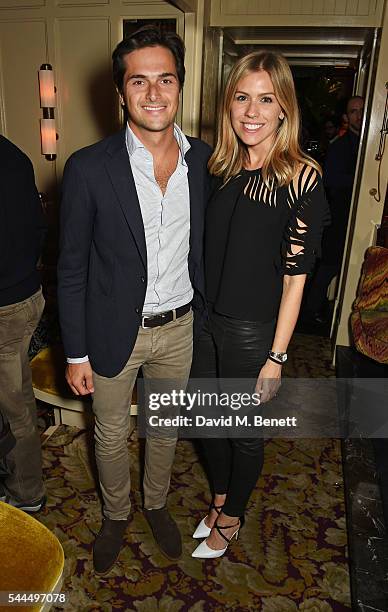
[(137, 310)]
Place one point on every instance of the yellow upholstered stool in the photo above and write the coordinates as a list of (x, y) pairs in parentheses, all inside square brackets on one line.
[(50, 386), (31, 557)]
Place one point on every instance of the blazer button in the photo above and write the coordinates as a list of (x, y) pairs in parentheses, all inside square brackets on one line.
[(142, 279), (137, 310)]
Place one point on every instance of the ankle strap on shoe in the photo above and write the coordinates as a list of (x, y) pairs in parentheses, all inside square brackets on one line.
[(219, 528)]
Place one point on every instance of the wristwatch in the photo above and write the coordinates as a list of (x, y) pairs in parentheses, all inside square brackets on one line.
[(277, 357)]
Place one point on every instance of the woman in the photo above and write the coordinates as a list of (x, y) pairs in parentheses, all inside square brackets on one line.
[(263, 231)]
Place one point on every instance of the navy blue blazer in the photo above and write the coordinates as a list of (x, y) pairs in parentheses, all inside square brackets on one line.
[(102, 268)]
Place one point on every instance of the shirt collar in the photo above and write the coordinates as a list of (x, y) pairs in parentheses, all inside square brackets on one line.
[(133, 143), (353, 134)]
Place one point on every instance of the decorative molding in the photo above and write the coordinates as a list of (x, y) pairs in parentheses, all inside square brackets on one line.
[(148, 9), (187, 6), (86, 102), (299, 7), (82, 3), (21, 4), (147, 3), (347, 13)]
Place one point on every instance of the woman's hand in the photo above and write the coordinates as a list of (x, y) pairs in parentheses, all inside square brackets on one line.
[(268, 381)]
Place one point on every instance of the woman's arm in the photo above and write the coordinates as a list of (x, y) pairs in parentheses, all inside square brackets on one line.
[(268, 381), (303, 238)]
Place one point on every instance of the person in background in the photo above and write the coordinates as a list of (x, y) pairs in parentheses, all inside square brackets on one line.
[(262, 235), (338, 178), (22, 231), (329, 134)]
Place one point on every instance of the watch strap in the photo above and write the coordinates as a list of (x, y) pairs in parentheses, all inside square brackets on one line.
[(277, 357), (275, 360)]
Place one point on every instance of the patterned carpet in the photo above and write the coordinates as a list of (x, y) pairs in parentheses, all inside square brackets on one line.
[(291, 555)]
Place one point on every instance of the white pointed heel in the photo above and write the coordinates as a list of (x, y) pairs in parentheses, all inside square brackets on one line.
[(203, 551), (202, 530)]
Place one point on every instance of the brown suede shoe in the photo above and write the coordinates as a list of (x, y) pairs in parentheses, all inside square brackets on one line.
[(107, 545), (165, 531)]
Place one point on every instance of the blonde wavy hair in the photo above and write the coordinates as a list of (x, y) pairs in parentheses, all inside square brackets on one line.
[(284, 160)]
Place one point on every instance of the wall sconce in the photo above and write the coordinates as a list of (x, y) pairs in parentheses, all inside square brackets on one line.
[(48, 132)]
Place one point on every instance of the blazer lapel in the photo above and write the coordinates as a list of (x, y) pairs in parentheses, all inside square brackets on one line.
[(196, 204), (119, 170)]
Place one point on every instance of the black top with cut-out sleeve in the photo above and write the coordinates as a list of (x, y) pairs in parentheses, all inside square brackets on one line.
[(255, 235)]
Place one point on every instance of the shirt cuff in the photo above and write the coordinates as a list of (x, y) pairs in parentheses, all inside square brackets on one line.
[(77, 359)]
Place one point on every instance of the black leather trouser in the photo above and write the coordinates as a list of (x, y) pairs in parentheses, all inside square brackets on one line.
[(231, 348)]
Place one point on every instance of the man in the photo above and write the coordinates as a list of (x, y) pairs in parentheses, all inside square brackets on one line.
[(130, 266), (338, 178), (22, 228), (329, 134)]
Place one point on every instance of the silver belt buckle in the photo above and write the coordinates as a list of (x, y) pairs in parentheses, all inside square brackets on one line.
[(142, 322)]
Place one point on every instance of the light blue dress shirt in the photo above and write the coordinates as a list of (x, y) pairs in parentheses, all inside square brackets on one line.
[(166, 220)]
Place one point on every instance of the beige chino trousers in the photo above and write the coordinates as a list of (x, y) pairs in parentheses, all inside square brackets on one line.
[(17, 324), (163, 353)]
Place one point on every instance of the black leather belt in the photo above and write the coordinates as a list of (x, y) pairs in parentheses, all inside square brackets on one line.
[(164, 317)]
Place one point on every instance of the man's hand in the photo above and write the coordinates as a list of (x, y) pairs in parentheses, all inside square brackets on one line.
[(80, 378), (269, 381)]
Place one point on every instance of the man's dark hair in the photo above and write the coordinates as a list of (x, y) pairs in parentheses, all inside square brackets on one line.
[(148, 36)]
